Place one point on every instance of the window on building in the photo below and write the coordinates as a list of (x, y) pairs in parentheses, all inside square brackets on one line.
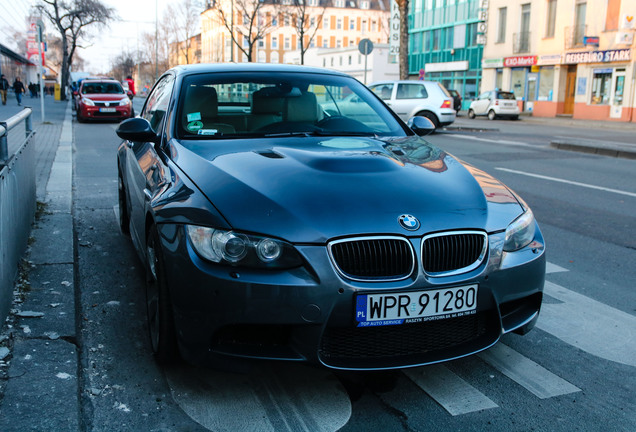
[(601, 87), (338, 44), (340, 3), (261, 43), (471, 29), (364, 4), (275, 20), (325, 22), (518, 80), (374, 26), (450, 34), (551, 19), (350, 60), (287, 43), (274, 57), (274, 42), (286, 21), (436, 39), (546, 83), (501, 31), (340, 59), (312, 22), (339, 24), (331, 61), (352, 24), (579, 22), (325, 43)]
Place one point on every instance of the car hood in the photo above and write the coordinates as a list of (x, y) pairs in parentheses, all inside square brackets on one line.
[(104, 97), (309, 190)]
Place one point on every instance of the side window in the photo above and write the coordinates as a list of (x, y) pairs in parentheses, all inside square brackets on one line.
[(411, 91), (383, 91), (484, 96), (157, 105)]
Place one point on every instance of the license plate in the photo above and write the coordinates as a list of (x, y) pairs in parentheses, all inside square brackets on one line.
[(416, 306), (108, 110)]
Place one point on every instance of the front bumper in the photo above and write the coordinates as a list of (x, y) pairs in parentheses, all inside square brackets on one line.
[(96, 112), (308, 314)]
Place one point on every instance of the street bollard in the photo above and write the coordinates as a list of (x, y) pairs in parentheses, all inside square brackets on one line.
[(4, 147)]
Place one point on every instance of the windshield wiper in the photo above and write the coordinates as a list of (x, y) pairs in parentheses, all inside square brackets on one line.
[(344, 133)]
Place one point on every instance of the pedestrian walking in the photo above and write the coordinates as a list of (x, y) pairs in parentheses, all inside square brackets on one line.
[(4, 86), (18, 88)]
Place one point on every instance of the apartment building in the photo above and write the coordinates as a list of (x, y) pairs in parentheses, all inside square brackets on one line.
[(563, 57), (182, 52), (445, 44), (333, 24)]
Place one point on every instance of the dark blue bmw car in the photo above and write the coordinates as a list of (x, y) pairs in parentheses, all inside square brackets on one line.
[(276, 224)]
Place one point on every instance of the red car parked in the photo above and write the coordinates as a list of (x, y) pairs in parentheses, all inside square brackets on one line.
[(102, 99)]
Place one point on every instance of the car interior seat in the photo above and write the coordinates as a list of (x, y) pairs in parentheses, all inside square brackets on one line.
[(267, 108), (201, 105)]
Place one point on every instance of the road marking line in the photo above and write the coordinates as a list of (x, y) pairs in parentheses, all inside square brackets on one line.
[(589, 325), (506, 142), (589, 186), (533, 377), (553, 268), (449, 390)]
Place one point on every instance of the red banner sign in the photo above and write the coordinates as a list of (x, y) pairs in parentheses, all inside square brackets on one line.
[(521, 61)]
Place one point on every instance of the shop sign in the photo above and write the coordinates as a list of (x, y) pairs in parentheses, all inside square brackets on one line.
[(624, 38), (627, 21), (552, 59), (482, 25), (492, 63), (447, 67), (394, 34), (591, 41), (618, 55), (520, 61)]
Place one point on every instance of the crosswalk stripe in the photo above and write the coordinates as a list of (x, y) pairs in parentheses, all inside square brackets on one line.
[(533, 377), (553, 268), (589, 325), (449, 390)]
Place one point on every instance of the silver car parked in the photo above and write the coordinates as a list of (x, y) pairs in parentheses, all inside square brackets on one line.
[(407, 99)]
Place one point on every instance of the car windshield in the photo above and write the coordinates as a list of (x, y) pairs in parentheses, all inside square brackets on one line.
[(505, 95), (102, 88), (259, 104)]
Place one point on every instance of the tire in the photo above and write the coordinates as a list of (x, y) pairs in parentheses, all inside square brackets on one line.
[(429, 115), (471, 114), (124, 216), (492, 115), (163, 339), (515, 117)]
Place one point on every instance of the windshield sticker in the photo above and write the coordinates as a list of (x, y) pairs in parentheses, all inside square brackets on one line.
[(194, 116), (194, 126), (208, 132)]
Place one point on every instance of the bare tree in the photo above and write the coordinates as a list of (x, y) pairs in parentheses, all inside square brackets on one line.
[(70, 18), (182, 23), (306, 21), (251, 24), (156, 51), (123, 65)]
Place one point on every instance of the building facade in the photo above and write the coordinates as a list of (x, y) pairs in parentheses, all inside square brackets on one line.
[(445, 44), (333, 24), (350, 61), (563, 57), (178, 50)]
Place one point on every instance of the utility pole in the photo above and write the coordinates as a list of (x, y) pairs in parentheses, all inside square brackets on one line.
[(40, 27)]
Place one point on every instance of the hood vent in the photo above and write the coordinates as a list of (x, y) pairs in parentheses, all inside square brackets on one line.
[(270, 154)]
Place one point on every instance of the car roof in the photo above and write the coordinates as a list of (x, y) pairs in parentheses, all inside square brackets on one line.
[(99, 80), (403, 82), (250, 67)]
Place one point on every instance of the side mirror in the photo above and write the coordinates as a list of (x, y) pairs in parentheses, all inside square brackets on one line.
[(421, 125), (137, 129)]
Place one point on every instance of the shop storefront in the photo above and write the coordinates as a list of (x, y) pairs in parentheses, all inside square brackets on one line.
[(600, 89)]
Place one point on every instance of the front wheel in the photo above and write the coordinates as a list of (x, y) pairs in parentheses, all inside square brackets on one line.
[(158, 305), (491, 115), (471, 114), (124, 217)]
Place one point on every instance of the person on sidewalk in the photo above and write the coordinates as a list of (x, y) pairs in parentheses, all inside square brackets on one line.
[(4, 87), (18, 88)]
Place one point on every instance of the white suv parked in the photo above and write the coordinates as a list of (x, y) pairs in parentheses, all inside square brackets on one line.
[(408, 99), (495, 103)]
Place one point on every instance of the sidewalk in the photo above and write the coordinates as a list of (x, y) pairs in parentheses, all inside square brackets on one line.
[(38, 343), (625, 149)]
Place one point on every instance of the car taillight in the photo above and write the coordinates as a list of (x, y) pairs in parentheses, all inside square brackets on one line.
[(496, 101), (446, 104)]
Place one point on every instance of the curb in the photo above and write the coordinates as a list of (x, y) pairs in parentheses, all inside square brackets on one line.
[(616, 150)]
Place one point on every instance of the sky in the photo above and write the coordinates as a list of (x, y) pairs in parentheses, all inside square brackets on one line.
[(135, 18)]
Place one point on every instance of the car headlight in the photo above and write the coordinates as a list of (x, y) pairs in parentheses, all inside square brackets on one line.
[(88, 102), (520, 232), (124, 102), (234, 248)]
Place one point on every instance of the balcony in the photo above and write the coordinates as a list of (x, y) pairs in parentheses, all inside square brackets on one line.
[(574, 36), (521, 42)]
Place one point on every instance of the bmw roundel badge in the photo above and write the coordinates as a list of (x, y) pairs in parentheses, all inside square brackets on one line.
[(409, 222)]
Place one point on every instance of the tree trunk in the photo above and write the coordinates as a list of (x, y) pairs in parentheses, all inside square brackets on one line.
[(404, 39), (65, 68)]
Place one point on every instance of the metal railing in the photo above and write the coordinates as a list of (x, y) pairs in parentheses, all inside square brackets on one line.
[(521, 42), (17, 200), (574, 36)]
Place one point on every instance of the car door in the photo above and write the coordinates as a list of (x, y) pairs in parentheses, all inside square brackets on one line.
[(482, 103), (144, 168), (409, 99)]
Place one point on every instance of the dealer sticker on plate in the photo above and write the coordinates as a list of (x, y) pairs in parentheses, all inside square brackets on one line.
[(416, 306)]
